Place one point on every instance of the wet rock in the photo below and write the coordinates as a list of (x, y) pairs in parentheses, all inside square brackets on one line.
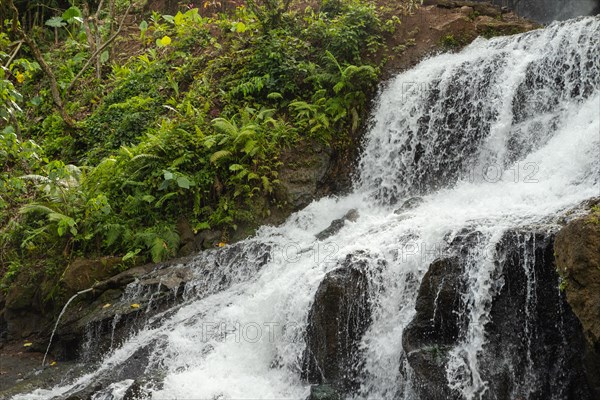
[(323, 392), (577, 250), (339, 317), (103, 318), (409, 204), (535, 345), (337, 225), (208, 239), (435, 328), (136, 391)]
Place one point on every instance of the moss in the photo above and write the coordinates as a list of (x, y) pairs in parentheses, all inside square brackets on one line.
[(450, 42)]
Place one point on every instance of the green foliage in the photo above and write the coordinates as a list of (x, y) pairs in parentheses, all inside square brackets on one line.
[(192, 127), (450, 42), (9, 98)]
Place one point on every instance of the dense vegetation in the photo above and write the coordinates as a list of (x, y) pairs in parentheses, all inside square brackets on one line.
[(102, 154)]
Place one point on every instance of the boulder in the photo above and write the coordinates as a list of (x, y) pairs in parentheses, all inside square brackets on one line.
[(480, 7), (435, 328), (306, 166), (454, 23), (489, 26), (338, 319), (22, 307), (337, 224), (577, 251), (82, 273)]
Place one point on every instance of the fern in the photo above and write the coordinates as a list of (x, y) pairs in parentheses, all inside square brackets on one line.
[(35, 207), (216, 156)]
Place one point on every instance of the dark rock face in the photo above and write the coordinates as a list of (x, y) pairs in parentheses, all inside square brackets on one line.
[(435, 328), (535, 348), (305, 169), (577, 251), (439, 320), (23, 313), (337, 321), (323, 392)]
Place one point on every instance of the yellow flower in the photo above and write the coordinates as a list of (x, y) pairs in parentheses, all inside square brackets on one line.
[(165, 41), (135, 305), (20, 77)]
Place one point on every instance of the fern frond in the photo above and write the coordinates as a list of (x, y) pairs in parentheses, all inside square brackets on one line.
[(218, 155), (35, 207)]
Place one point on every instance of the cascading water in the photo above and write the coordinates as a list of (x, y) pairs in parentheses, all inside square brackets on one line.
[(500, 136)]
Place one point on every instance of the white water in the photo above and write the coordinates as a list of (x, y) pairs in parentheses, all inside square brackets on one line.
[(509, 134)]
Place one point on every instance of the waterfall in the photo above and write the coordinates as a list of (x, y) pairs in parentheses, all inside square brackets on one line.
[(501, 136)]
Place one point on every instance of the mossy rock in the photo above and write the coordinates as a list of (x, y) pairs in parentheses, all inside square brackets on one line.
[(83, 273)]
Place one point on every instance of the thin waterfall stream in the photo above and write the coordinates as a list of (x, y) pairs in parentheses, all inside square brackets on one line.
[(497, 142), (62, 312)]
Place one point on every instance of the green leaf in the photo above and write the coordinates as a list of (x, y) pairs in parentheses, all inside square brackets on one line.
[(236, 167), (239, 27), (183, 182), (166, 197), (148, 198), (201, 226), (71, 14), (143, 26), (250, 147), (56, 22), (167, 175), (178, 19), (104, 57), (131, 254), (158, 249), (274, 96)]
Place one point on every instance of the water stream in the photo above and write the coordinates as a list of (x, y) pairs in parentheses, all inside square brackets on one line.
[(62, 312)]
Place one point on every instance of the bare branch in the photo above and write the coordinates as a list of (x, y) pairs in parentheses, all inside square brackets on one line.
[(14, 54), (37, 54), (98, 51)]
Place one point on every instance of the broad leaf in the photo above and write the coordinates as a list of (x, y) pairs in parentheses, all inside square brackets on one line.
[(56, 22)]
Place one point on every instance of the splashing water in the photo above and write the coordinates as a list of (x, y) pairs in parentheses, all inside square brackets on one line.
[(503, 134)]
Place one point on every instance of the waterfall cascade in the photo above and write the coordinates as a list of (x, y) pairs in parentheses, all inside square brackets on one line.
[(499, 141)]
